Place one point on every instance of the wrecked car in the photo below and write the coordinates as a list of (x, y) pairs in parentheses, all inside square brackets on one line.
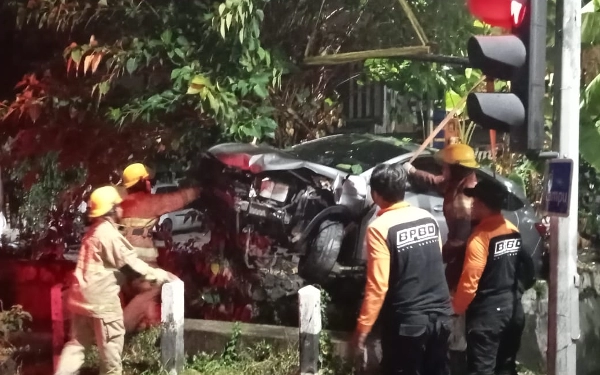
[(312, 201)]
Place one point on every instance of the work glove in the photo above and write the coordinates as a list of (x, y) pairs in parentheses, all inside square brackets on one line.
[(409, 168), (162, 276)]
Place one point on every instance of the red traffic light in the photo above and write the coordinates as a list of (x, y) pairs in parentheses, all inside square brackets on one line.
[(500, 13)]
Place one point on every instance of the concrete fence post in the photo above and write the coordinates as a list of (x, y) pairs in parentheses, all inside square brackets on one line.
[(58, 323), (172, 319), (309, 299)]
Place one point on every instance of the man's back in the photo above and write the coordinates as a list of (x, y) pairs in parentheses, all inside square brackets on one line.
[(416, 280)]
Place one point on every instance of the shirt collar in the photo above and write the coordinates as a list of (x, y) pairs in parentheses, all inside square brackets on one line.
[(395, 206), (492, 219)]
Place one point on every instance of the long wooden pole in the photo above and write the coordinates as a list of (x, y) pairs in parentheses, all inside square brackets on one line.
[(489, 85), (448, 117)]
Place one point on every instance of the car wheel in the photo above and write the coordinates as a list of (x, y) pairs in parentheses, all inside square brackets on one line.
[(322, 252), (167, 226)]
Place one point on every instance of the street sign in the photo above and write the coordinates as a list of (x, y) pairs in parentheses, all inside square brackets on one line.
[(557, 192)]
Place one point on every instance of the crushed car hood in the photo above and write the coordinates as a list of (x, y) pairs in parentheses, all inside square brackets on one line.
[(262, 158)]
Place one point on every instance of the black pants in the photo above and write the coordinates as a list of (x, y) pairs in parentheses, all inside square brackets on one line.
[(493, 340), (416, 346)]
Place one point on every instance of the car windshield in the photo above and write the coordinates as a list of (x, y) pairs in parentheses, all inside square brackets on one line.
[(353, 153)]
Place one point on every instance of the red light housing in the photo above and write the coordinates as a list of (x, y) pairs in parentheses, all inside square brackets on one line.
[(499, 13)]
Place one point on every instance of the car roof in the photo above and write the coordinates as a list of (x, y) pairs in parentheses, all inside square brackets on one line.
[(401, 141)]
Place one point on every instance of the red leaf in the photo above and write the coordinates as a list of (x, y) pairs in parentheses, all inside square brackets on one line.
[(34, 111), (87, 63), (96, 62)]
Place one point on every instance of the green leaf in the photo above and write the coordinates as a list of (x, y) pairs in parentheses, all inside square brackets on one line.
[(212, 101), (175, 73), (590, 28), (261, 53), (250, 131), (223, 29), (452, 98), (103, 87), (260, 14), (76, 55), (270, 124), (478, 24), (261, 91), (182, 41), (356, 169), (166, 36), (131, 65), (241, 34), (180, 53), (222, 8), (589, 139), (228, 20), (590, 108), (102, 3)]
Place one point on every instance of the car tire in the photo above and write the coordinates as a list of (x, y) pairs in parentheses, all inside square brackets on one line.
[(322, 252), (167, 226)]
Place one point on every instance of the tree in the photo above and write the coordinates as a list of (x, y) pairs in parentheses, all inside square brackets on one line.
[(139, 78)]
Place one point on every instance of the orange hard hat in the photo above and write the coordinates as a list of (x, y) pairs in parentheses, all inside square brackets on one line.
[(134, 173), (458, 154), (102, 200)]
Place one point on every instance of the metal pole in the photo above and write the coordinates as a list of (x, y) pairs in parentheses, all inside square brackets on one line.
[(563, 304)]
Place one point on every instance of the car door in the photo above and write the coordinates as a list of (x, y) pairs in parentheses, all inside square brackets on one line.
[(428, 197)]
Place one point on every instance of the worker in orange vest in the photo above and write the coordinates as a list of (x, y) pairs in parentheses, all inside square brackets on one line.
[(459, 165), (141, 212)]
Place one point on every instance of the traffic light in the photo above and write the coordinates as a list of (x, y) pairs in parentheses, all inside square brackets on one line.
[(519, 58)]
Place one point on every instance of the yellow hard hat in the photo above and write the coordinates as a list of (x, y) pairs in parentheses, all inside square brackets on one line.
[(134, 173), (458, 153), (102, 200)]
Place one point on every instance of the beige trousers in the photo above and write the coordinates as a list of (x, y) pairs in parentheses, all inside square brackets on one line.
[(109, 336)]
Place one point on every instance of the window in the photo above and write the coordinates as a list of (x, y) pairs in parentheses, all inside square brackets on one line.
[(346, 150)]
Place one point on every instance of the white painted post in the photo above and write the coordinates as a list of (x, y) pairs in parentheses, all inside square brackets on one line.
[(172, 318), (563, 296), (309, 299)]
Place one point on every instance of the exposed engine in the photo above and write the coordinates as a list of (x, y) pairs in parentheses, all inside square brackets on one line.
[(272, 209)]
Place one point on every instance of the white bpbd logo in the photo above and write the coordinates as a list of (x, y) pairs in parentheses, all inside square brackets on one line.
[(510, 246), (415, 235)]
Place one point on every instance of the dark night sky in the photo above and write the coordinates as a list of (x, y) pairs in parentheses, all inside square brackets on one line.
[(21, 52)]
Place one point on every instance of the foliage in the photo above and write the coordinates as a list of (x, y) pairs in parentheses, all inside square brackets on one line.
[(12, 320), (589, 204), (329, 362), (589, 122), (526, 173), (43, 186), (142, 353), (139, 78)]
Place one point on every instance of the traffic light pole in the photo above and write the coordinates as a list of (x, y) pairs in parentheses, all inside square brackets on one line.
[(563, 304)]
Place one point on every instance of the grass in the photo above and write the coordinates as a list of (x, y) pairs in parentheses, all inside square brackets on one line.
[(142, 357)]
